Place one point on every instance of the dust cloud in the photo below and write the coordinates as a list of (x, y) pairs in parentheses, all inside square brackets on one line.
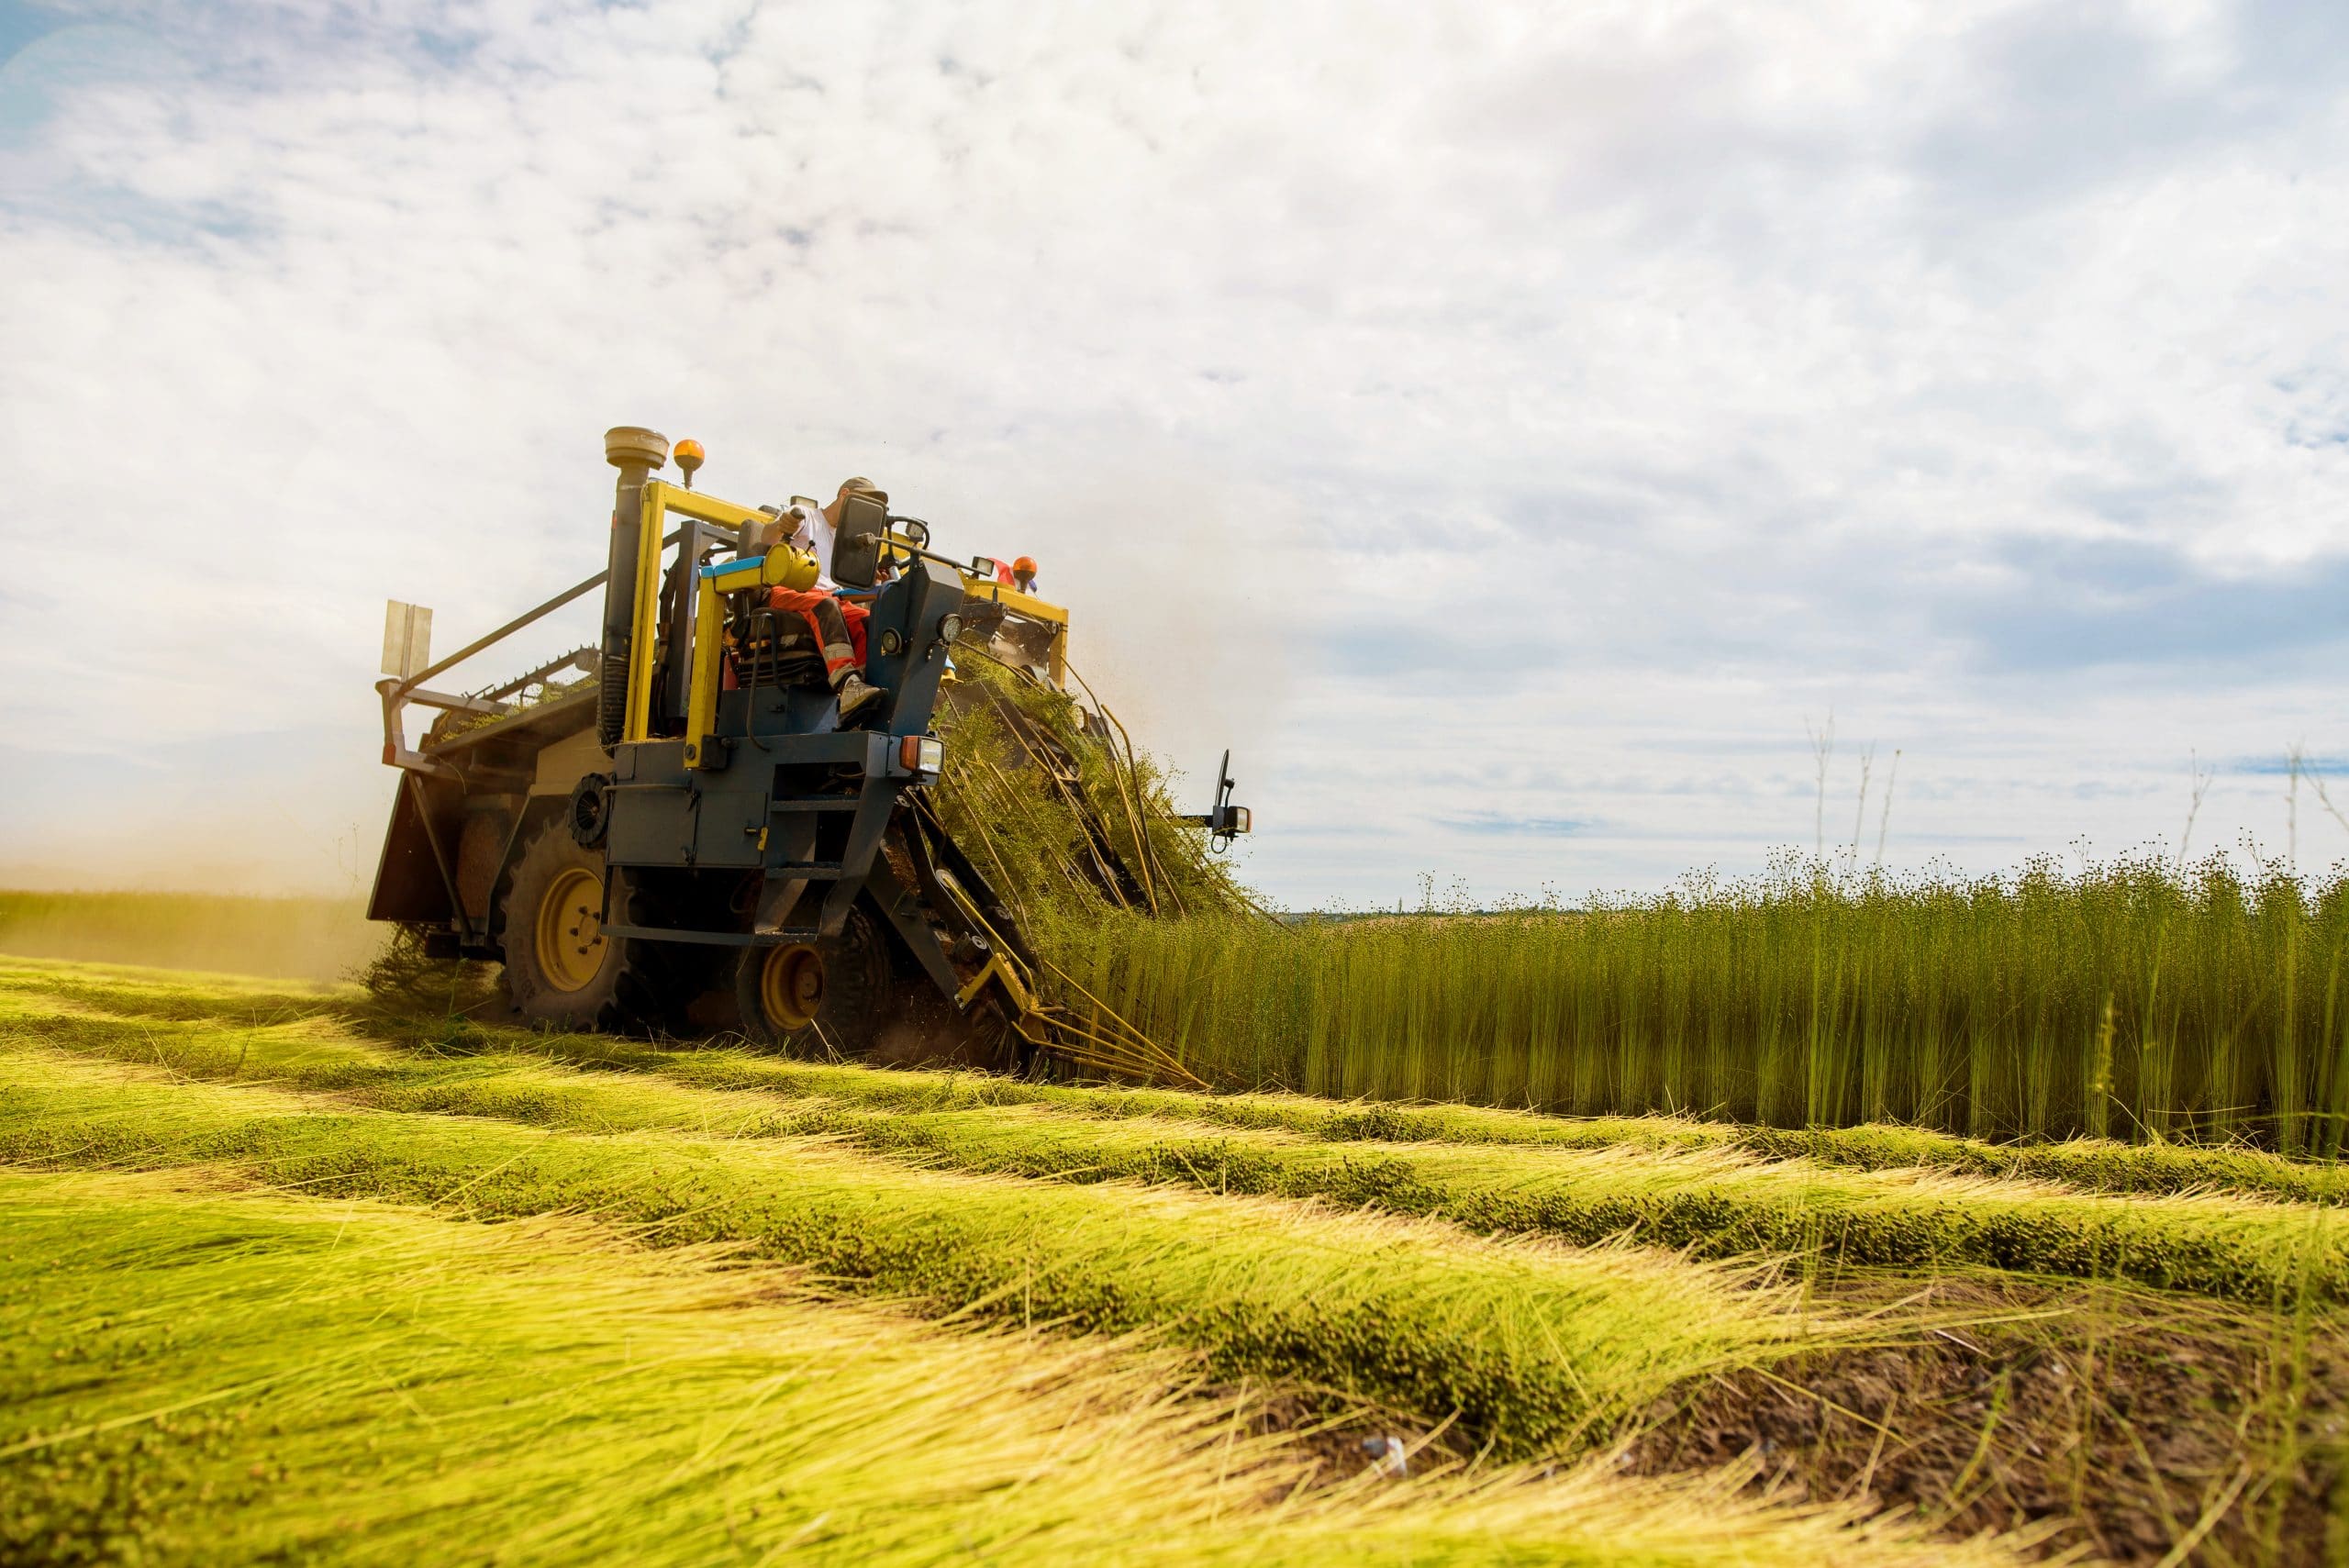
[(323, 940)]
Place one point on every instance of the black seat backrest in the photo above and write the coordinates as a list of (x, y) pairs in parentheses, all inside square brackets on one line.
[(856, 547)]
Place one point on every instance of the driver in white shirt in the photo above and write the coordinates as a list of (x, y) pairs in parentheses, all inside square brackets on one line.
[(819, 527)]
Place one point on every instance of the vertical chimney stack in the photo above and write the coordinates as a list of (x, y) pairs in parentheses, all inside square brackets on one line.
[(637, 453)]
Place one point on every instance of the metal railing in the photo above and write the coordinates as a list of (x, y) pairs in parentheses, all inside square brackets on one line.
[(398, 693)]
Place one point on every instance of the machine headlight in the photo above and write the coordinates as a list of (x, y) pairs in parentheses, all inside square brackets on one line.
[(922, 754)]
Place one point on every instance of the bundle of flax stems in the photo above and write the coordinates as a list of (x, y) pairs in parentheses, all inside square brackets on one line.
[(1050, 796), (1054, 804)]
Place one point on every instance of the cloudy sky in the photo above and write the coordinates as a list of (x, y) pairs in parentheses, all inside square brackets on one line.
[(1514, 430)]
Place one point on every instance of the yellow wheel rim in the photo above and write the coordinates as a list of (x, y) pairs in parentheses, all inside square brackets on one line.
[(791, 986), (570, 930)]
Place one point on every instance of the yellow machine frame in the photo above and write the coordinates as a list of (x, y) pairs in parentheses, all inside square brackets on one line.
[(785, 568), (662, 498)]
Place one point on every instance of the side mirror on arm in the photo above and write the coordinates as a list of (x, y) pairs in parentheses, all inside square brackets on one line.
[(856, 548)]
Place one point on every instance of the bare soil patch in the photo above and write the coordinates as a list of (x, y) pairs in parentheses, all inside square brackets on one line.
[(2123, 1420)]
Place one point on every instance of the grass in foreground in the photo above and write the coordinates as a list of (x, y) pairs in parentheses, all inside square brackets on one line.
[(195, 1376), (1532, 1347), (2125, 1420)]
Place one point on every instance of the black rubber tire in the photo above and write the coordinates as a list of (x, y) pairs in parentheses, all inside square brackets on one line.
[(859, 994), (630, 987)]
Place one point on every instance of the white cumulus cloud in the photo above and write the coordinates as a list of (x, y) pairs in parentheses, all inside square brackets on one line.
[(1506, 430)]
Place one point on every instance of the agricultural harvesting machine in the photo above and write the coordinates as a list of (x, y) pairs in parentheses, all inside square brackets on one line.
[(689, 818)]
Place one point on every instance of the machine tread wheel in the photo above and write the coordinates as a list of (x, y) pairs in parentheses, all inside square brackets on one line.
[(827, 998), (560, 972)]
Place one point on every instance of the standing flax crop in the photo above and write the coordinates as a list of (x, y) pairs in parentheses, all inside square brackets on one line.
[(2134, 998)]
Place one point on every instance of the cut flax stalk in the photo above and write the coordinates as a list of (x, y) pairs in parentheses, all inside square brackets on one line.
[(1121, 769), (1053, 797)]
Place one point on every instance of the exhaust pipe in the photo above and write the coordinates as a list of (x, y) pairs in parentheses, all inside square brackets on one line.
[(637, 453)]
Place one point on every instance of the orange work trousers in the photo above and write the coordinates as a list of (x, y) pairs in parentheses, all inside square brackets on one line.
[(838, 626)]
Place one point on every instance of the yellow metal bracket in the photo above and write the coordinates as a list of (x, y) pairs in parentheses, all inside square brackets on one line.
[(1023, 999), (709, 625)]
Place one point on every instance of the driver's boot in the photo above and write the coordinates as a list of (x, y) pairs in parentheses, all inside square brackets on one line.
[(855, 696)]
